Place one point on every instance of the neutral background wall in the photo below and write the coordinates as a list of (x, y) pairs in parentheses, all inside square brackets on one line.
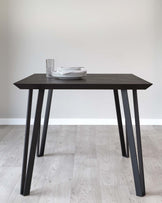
[(105, 36)]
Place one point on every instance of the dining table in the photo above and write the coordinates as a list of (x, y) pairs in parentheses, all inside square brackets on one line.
[(117, 83)]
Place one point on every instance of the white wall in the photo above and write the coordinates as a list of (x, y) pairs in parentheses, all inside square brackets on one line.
[(106, 36)]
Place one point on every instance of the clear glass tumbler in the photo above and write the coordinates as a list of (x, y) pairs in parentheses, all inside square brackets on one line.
[(50, 65)]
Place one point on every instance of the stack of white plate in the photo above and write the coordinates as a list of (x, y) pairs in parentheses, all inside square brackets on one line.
[(70, 73)]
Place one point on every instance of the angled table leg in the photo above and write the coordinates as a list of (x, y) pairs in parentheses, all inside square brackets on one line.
[(138, 137), (127, 143), (136, 173), (46, 120), (26, 142), (34, 140), (120, 125), (38, 140)]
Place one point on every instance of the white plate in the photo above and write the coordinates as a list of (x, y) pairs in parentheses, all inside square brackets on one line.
[(69, 68), (68, 76), (71, 72)]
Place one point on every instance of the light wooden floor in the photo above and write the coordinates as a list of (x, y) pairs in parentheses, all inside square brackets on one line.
[(81, 164)]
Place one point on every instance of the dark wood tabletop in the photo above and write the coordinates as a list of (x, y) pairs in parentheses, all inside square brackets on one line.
[(91, 81)]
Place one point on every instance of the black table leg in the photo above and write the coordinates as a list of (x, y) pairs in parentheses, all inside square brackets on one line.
[(26, 141), (127, 143), (135, 165), (120, 125), (34, 140), (38, 140), (138, 137), (46, 120)]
